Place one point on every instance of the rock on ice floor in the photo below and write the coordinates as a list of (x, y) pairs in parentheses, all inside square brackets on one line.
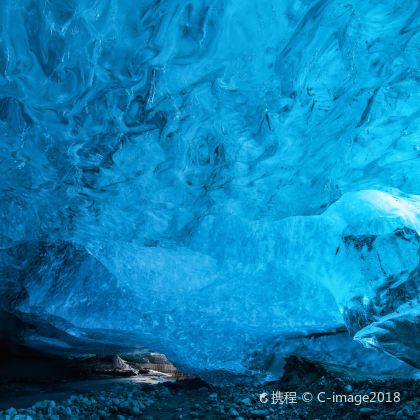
[(194, 400)]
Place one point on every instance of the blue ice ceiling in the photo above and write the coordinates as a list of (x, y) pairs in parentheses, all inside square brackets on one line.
[(209, 175)]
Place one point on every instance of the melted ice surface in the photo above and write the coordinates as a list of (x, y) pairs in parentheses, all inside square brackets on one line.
[(211, 174)]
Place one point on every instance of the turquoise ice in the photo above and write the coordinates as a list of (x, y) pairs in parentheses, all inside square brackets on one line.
[(208, 176)]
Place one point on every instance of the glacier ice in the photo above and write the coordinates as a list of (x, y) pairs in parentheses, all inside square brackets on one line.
[(207, 176)]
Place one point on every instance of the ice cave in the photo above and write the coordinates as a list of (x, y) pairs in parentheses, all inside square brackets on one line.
[(225, 182)]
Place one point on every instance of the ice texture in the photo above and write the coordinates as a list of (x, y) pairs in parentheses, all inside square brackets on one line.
[(208, 176)]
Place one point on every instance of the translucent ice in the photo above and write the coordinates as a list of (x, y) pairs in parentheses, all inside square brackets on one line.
[(211, 175)]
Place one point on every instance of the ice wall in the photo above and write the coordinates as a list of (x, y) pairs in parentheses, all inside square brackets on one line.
[(213, 174)]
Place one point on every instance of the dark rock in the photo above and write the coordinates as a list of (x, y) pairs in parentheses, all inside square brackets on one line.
[(213, 397), (233, 412)]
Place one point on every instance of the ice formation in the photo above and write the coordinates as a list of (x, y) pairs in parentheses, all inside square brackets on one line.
[(210, 175)]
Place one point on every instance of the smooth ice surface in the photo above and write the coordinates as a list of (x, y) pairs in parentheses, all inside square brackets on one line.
[(212, 175)]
